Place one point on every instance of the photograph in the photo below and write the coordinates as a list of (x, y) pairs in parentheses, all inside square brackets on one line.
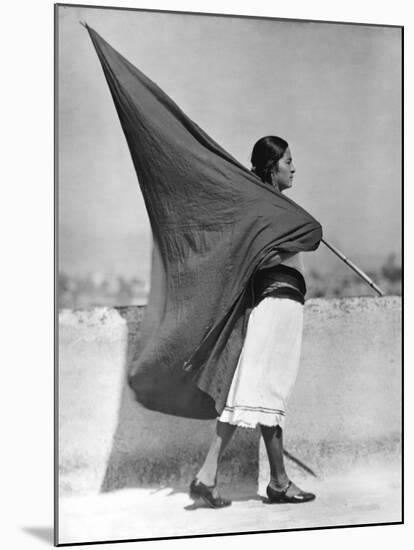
[(228, 274)]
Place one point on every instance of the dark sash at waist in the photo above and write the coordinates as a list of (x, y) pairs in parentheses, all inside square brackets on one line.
[(281, 281)]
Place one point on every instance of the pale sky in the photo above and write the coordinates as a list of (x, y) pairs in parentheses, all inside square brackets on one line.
[(333, 91)]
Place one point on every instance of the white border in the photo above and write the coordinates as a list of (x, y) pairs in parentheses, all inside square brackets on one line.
[(27, 268)]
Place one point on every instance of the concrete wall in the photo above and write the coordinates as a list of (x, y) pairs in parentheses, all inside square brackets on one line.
[(345, 408)]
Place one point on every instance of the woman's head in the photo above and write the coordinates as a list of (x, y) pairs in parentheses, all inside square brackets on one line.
[(272, 162)]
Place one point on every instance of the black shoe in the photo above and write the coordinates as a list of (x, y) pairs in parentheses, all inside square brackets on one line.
[(200, 491), (295, 497)]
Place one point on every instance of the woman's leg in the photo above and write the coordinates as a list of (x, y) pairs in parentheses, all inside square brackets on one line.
[(280, 488), (273, 438), (208, 471)]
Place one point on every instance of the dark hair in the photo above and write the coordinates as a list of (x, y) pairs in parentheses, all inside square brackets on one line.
[(266, 154)]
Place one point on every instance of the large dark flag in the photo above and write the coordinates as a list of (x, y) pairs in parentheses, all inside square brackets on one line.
[(213, 223)]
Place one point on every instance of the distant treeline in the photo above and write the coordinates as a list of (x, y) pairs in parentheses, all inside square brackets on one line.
[(99, 289), (388, 277)]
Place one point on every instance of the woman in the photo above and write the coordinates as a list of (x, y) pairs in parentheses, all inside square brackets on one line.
[(214, 225), (269, 360)]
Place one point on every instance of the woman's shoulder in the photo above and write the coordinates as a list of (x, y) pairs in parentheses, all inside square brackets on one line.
[(295, 261), (273, 259)]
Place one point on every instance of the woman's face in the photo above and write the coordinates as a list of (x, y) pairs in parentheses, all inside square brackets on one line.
[(282, 175)]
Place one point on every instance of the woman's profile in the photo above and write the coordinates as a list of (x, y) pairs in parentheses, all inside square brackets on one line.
[(269, 359)]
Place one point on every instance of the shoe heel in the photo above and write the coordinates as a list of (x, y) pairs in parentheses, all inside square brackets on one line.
[(194, 497)]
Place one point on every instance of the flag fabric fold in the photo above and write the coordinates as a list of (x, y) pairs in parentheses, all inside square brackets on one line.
[(213, 222)]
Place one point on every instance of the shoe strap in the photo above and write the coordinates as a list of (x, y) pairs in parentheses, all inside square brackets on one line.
[(283, 491), (198, 482)]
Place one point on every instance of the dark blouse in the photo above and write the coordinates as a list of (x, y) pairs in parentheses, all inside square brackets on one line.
[(280, 281)]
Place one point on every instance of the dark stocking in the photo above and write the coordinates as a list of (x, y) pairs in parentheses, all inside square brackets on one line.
[(273, 438), (208, 471)]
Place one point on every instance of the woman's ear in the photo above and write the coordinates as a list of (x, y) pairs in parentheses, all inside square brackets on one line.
[(273, 176)]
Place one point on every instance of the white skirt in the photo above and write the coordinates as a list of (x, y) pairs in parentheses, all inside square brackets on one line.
[(267, 366)]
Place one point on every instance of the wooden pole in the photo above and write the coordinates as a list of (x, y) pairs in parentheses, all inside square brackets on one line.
[(354, 268)]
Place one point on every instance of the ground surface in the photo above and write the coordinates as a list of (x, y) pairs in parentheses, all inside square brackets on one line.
[(363, 497)]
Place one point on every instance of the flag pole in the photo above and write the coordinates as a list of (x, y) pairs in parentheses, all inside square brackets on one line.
[(354, 268)]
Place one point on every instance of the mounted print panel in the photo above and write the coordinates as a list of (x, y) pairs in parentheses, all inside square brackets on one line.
[(229, 274)]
